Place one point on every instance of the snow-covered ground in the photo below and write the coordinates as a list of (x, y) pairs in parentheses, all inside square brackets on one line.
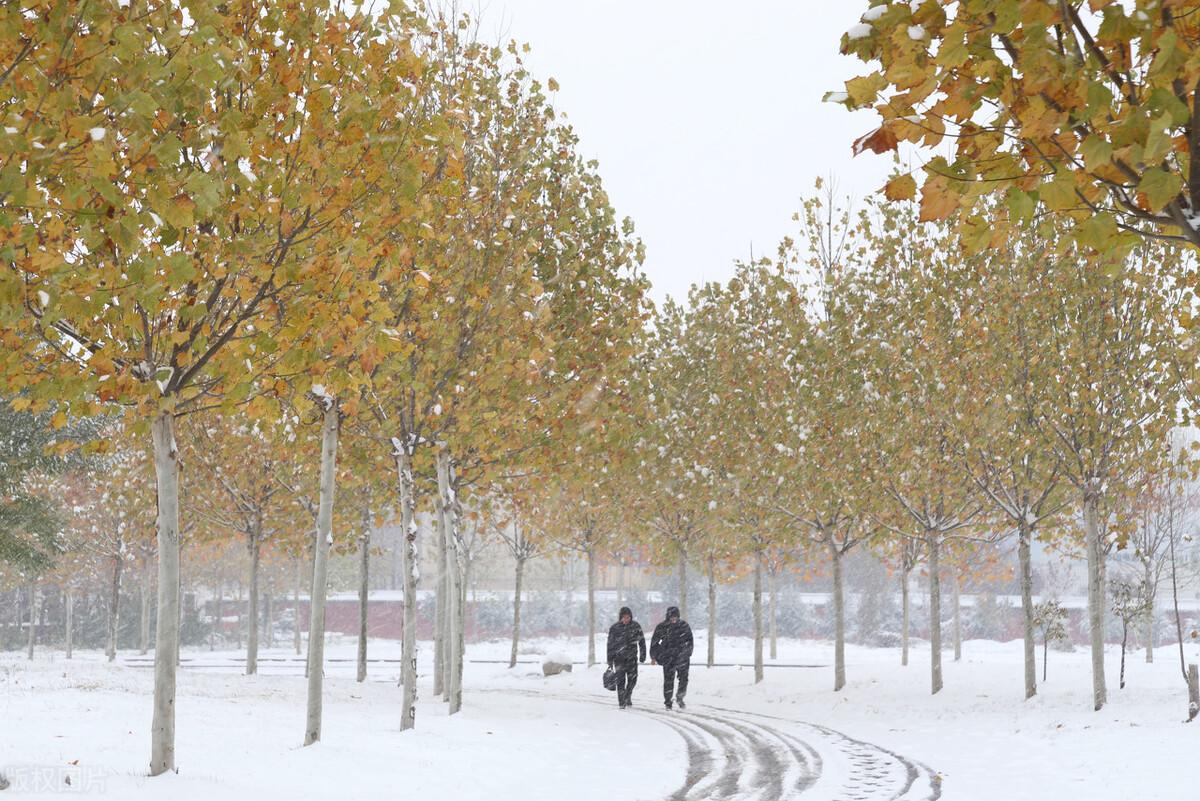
[(522, 736)]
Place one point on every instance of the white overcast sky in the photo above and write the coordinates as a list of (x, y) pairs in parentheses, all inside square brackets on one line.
[(706, 117)]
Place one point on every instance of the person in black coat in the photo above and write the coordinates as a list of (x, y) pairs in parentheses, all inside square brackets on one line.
[(671, 647), (626, 647)]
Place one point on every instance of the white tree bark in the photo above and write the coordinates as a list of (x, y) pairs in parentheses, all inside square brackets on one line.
[(758, 618), (905, 614), (1024, 557), (839, 617), (441, 621), (935, 612), (255, 546), (1095, 566), (1150, 594), (166, 633), (69, 620), (591, 603), (410, 565), (144, 618), (712, 610), (296, 605), (774, 613), (364, 584), (324, 536), (454, 590), (114, 608), (219, 622), (33, 610), (683, 582), (516, 628), (957, 619)]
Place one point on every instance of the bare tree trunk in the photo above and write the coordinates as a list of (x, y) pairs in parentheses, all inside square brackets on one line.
[(324, 538), (1024, 536), (114, 608), (33, 609), (935, 613), (69, 620), (905, 613), (255, 546), (1124, 643), (839, 617), (758, 618), (774, 614), (296, 605), (219, 622), (144, 615), (683, 582), (621, 584), (269, 616), (1193, 683), (712, 610), (410, 566), (1095, 557), (166, 634), (591, 602), (454, 611), (364, 579), (516, 631), (440, 621), (241, 618), (1151, 592), (957, 618)]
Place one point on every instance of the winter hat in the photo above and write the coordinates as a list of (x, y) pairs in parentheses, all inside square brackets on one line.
[(672, 611), (625, 610)]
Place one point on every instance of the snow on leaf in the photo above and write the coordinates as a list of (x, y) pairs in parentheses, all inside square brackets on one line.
[(860, 31)]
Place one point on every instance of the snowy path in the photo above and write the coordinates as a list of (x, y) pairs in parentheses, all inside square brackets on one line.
[(741, 756)]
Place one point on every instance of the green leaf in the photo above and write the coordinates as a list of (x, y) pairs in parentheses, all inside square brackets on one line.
[(1160, 187)]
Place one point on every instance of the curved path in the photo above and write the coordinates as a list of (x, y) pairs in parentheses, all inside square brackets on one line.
[(739, 756)]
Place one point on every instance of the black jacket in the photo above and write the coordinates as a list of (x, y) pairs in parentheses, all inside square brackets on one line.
[(626, 642), (672, 642)]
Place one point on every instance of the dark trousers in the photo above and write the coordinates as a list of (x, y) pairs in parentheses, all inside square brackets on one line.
[(670, 671), (626, 680)]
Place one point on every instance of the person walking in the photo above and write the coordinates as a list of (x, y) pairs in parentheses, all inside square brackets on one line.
[(626, 647), (671, 647)]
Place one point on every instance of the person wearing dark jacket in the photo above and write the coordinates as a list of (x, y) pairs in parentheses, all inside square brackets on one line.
[(626, 647), (671, 647)]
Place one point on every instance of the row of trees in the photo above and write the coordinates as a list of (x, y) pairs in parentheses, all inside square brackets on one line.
[(284, 247)]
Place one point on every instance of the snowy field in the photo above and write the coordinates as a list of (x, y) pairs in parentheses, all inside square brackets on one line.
[(522, 736)]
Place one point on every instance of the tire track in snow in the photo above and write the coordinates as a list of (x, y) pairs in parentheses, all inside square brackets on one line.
[(734, 756)]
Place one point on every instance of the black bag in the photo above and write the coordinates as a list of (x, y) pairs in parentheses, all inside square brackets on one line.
[(610, 679)]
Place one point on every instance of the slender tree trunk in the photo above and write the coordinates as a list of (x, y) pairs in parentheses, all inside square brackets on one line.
[(219, 622), (144, 614), (1095, 558), (591, 602), (712, 610), (1024, 556), (324, 538), (454, 611), (1045, 658), (69, 620), (410, 567), (269, 616), (758, 617), (1151, 592), (957, 618), (905, 613), (296, 605), (516, 631), (114, 608), (440, 619), (1124, 643), (33, 622), (364, 579), (839, 617), (241, 618), (935, 613), (774, 613), (621, 584), (683, 583), (255, 546), (166, 634)]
